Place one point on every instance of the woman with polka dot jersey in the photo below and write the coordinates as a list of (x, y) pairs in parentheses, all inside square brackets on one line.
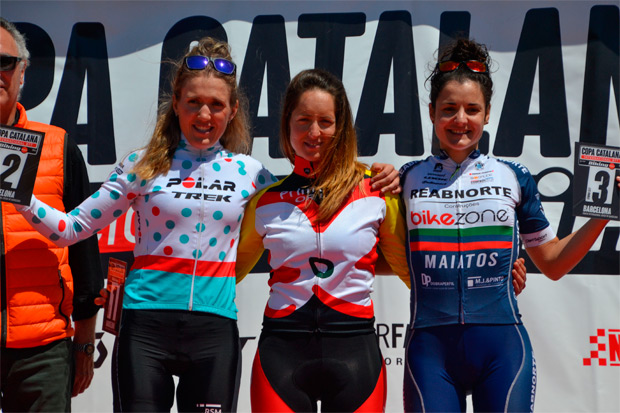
[(188, 188)]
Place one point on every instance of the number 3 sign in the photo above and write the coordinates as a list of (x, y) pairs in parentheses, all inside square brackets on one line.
[(594, 191), (20, 151)]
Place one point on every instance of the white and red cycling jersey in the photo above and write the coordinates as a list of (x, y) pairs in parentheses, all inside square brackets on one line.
[(322, 273)]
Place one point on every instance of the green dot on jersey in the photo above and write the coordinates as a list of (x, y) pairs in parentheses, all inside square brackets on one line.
[(131, 177), (226, 229), (200, 227), (156, 188), (169, 224), (217, 215), (75, 212), (96, 194), (41, 213), (184, 239), (197, 254), (245, 193), (157, 236), (113, 177), (95, 213), (186, 164), (213, 242), (77, 227), (242, 168), (217, 167), (117, 213), (222, 256), (115, 195), (133, 157), (261, 179), (186, 212)]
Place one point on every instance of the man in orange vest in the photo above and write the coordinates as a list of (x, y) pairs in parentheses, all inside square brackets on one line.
[(43, 286)]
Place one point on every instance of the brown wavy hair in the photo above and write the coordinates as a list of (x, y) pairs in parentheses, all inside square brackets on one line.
[(158, 154), (339, 171)]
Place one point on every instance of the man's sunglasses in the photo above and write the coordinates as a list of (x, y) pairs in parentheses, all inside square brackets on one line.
[(472, 65), (201, 62), (8, 62)]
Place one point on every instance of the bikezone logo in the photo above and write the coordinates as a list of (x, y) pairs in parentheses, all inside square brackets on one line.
[(606, 350), (426, 217)]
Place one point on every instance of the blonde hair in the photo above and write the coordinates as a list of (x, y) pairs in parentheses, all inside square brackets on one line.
[(158, 153), (339, 171)]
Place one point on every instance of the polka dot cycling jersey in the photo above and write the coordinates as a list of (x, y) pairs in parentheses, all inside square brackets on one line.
[(187, 224)]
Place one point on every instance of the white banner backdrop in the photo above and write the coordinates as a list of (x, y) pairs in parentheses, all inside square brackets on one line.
[(96, 72)]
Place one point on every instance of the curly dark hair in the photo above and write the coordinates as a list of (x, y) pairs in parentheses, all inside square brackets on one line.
[(462, 50)]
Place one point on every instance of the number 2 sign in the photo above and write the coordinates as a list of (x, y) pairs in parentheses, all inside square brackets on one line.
[(20, 152)]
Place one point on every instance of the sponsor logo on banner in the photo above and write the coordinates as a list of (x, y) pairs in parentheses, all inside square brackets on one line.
[(606, 348)]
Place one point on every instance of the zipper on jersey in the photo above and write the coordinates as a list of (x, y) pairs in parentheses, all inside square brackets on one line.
[(317, 279), (198, 246), (461, 289)]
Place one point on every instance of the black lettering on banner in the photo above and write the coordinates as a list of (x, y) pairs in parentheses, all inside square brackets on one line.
[(87, 55), (602, 67), (267, 46), (604, 261), (540, 46), (382, 331), (331, 31), (39, 76), (177, 43), (393, 47), (395, 333)]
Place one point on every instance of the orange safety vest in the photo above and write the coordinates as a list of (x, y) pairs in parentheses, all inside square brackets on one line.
[(37, 285)]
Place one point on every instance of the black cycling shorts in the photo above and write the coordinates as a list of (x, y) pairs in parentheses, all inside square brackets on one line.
[(201, 349), (292, 371)]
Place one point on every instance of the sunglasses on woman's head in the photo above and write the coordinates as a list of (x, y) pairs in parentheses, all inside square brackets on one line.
[(8, 62), (472, 65), (201, 62)]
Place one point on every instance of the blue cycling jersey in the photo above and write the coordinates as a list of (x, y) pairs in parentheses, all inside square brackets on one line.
[(464, 222)]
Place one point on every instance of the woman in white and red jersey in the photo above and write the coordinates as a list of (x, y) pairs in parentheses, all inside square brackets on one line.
[(322, 226)]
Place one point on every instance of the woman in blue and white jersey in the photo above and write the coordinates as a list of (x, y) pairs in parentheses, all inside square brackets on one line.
[(465, 214), (188, 188)]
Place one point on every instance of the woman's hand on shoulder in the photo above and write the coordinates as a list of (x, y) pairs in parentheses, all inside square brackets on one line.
[(386, 179)]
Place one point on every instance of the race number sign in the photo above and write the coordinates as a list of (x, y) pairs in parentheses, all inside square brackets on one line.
[(117, 270), (594, 191), (20, 151)]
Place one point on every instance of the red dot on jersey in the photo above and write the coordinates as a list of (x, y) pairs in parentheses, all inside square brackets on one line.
[(155, 211), (188, 182), (62, 225), (168, 250), (131, 195)]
